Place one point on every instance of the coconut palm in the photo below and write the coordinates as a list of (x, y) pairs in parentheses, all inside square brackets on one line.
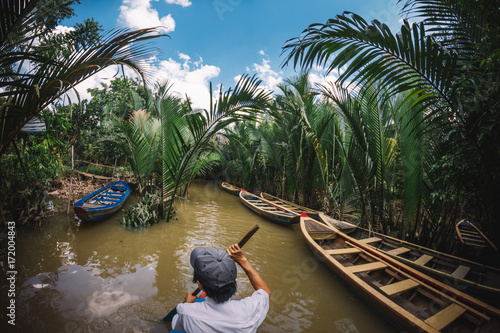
[(30, 80)]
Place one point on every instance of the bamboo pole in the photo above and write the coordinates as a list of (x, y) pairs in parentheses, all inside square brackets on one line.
[(71, 177), (72, 162)]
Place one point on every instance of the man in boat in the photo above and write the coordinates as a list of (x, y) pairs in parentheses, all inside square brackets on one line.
[(215, 274)]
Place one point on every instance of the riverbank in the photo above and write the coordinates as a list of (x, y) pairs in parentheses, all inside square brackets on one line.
[(81, 185)]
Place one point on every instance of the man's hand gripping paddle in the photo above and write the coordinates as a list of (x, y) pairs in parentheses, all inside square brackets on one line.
[(242, 242)]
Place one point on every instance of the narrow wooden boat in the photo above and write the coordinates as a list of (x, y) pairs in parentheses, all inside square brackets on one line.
[(408, 302), (468, 276), (230, 188), (471, 236), (289, 205), (267, 210), (102, 203)]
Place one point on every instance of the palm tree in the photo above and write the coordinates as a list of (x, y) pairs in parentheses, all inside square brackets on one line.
[(299, 103), (139, 138), (369, 148), (239, 156), (26, 92), (439, 64), (186, 136)]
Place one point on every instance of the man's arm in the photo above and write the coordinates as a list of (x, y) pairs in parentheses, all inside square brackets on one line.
[(257, 282)]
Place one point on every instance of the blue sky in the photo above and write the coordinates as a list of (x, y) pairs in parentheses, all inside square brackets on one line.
[(218, 40)]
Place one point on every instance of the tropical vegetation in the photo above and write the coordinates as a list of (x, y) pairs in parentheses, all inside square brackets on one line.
[(444, 71), (404, 142)]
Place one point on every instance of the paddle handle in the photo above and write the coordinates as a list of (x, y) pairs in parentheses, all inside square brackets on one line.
[(249, 235), (242, 242)]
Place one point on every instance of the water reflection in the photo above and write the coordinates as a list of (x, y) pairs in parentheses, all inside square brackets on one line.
[(102, 277)]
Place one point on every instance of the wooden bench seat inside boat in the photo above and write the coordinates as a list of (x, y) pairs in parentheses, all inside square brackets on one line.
[(399, 287), (372, 266), (347, 250), (424, 259), (446, 316), (103, 198), (370, 240), (461, 272), (398, 251)]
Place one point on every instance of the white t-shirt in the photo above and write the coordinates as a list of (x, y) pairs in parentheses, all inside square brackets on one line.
[(243, 315)]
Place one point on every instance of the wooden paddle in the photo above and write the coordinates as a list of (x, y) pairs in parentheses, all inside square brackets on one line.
[(242, 242)]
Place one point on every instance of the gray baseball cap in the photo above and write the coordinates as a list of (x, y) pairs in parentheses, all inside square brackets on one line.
[(215, 268)]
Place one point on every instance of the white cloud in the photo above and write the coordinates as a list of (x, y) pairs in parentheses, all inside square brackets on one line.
[(60, 29), (187, 78), (184, 57), (183, 3), (104, 76), (319, 77), (269, 77), (139, 14), (261, 52)]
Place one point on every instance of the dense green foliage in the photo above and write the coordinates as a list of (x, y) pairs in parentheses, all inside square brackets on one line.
[(146, 212), (57, 64), (446, 67), (38, 66), (406, 141), (187, 137)]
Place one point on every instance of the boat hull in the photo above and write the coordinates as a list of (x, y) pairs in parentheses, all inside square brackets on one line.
[(472, 237), (266, 210), (103, 203), (290, 205), (230, 188), (407, 301)]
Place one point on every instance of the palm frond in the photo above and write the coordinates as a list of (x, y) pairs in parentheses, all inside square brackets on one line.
[(372, 53), (190, 133), (458, 25), (139, 140), (30, 91)]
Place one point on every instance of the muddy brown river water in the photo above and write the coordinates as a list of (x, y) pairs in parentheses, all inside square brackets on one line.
[(103, 277)]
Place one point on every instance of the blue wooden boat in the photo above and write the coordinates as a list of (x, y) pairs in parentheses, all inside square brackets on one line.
[(102, 203)]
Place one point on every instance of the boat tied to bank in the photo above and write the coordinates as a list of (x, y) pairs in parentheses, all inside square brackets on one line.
[(103, 203)]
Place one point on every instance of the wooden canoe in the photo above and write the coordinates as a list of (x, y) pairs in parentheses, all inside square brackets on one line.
[(471, 236), (230, 188), (289, 205), (103, 203), (267, 210), (408, 302), (468, 276)]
